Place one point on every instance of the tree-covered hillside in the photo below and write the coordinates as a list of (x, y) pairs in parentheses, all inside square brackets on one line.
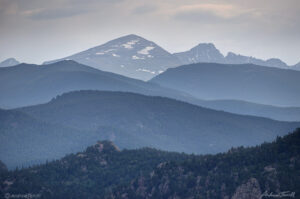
[(241, 173), (26, 141), (103, 171)]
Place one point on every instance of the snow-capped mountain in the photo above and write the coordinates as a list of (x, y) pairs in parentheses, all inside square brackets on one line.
[(131, 55), (205, 52), (9, 62), (136, 57)]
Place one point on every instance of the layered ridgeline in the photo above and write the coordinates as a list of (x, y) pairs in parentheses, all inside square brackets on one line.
[(26, 84), (131, 55), (103, 171), (248, 108), (137, 120), (264, 85)]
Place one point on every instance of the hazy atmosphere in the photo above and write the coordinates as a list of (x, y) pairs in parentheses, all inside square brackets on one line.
[(135, 99), (34, 31)]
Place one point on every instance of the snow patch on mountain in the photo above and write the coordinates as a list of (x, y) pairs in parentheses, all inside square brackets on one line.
[(100, 53), (104, 52), (115, 55), (136, 57), (146, 50), (145, 70), (130, 44)]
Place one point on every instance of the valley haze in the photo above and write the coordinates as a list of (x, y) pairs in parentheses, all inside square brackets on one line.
[(136, 99)]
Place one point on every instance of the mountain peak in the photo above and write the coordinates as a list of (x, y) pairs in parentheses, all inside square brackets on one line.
[(131, 36), (9, 62), (296, 66), (203, 52), (205, 45), (127, 38), (277, 62), (67, 61), (130, 55)]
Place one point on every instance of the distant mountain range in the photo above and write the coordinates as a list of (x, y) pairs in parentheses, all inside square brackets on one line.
[(104, 171), (248, 82), (208, 53), (9, 62), (136, 57)]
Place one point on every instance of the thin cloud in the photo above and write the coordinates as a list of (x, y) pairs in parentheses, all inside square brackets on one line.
[(213, 13), (57, 13), (268, 28)]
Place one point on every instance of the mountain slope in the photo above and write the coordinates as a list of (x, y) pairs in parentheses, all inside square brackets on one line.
[(247, 82), (102, 171), (158, 122), (9, 62), (28, 84), (131, 55)]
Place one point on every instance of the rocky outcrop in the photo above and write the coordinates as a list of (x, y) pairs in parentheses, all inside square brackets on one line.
[(249, 190)]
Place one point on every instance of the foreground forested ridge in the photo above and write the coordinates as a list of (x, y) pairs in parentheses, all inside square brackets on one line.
[(103, 171)]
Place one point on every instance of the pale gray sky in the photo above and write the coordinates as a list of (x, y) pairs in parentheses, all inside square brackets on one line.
[(34, 31)]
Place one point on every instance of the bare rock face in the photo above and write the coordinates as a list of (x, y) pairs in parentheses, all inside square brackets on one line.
[(249, 190), (106, 146)]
